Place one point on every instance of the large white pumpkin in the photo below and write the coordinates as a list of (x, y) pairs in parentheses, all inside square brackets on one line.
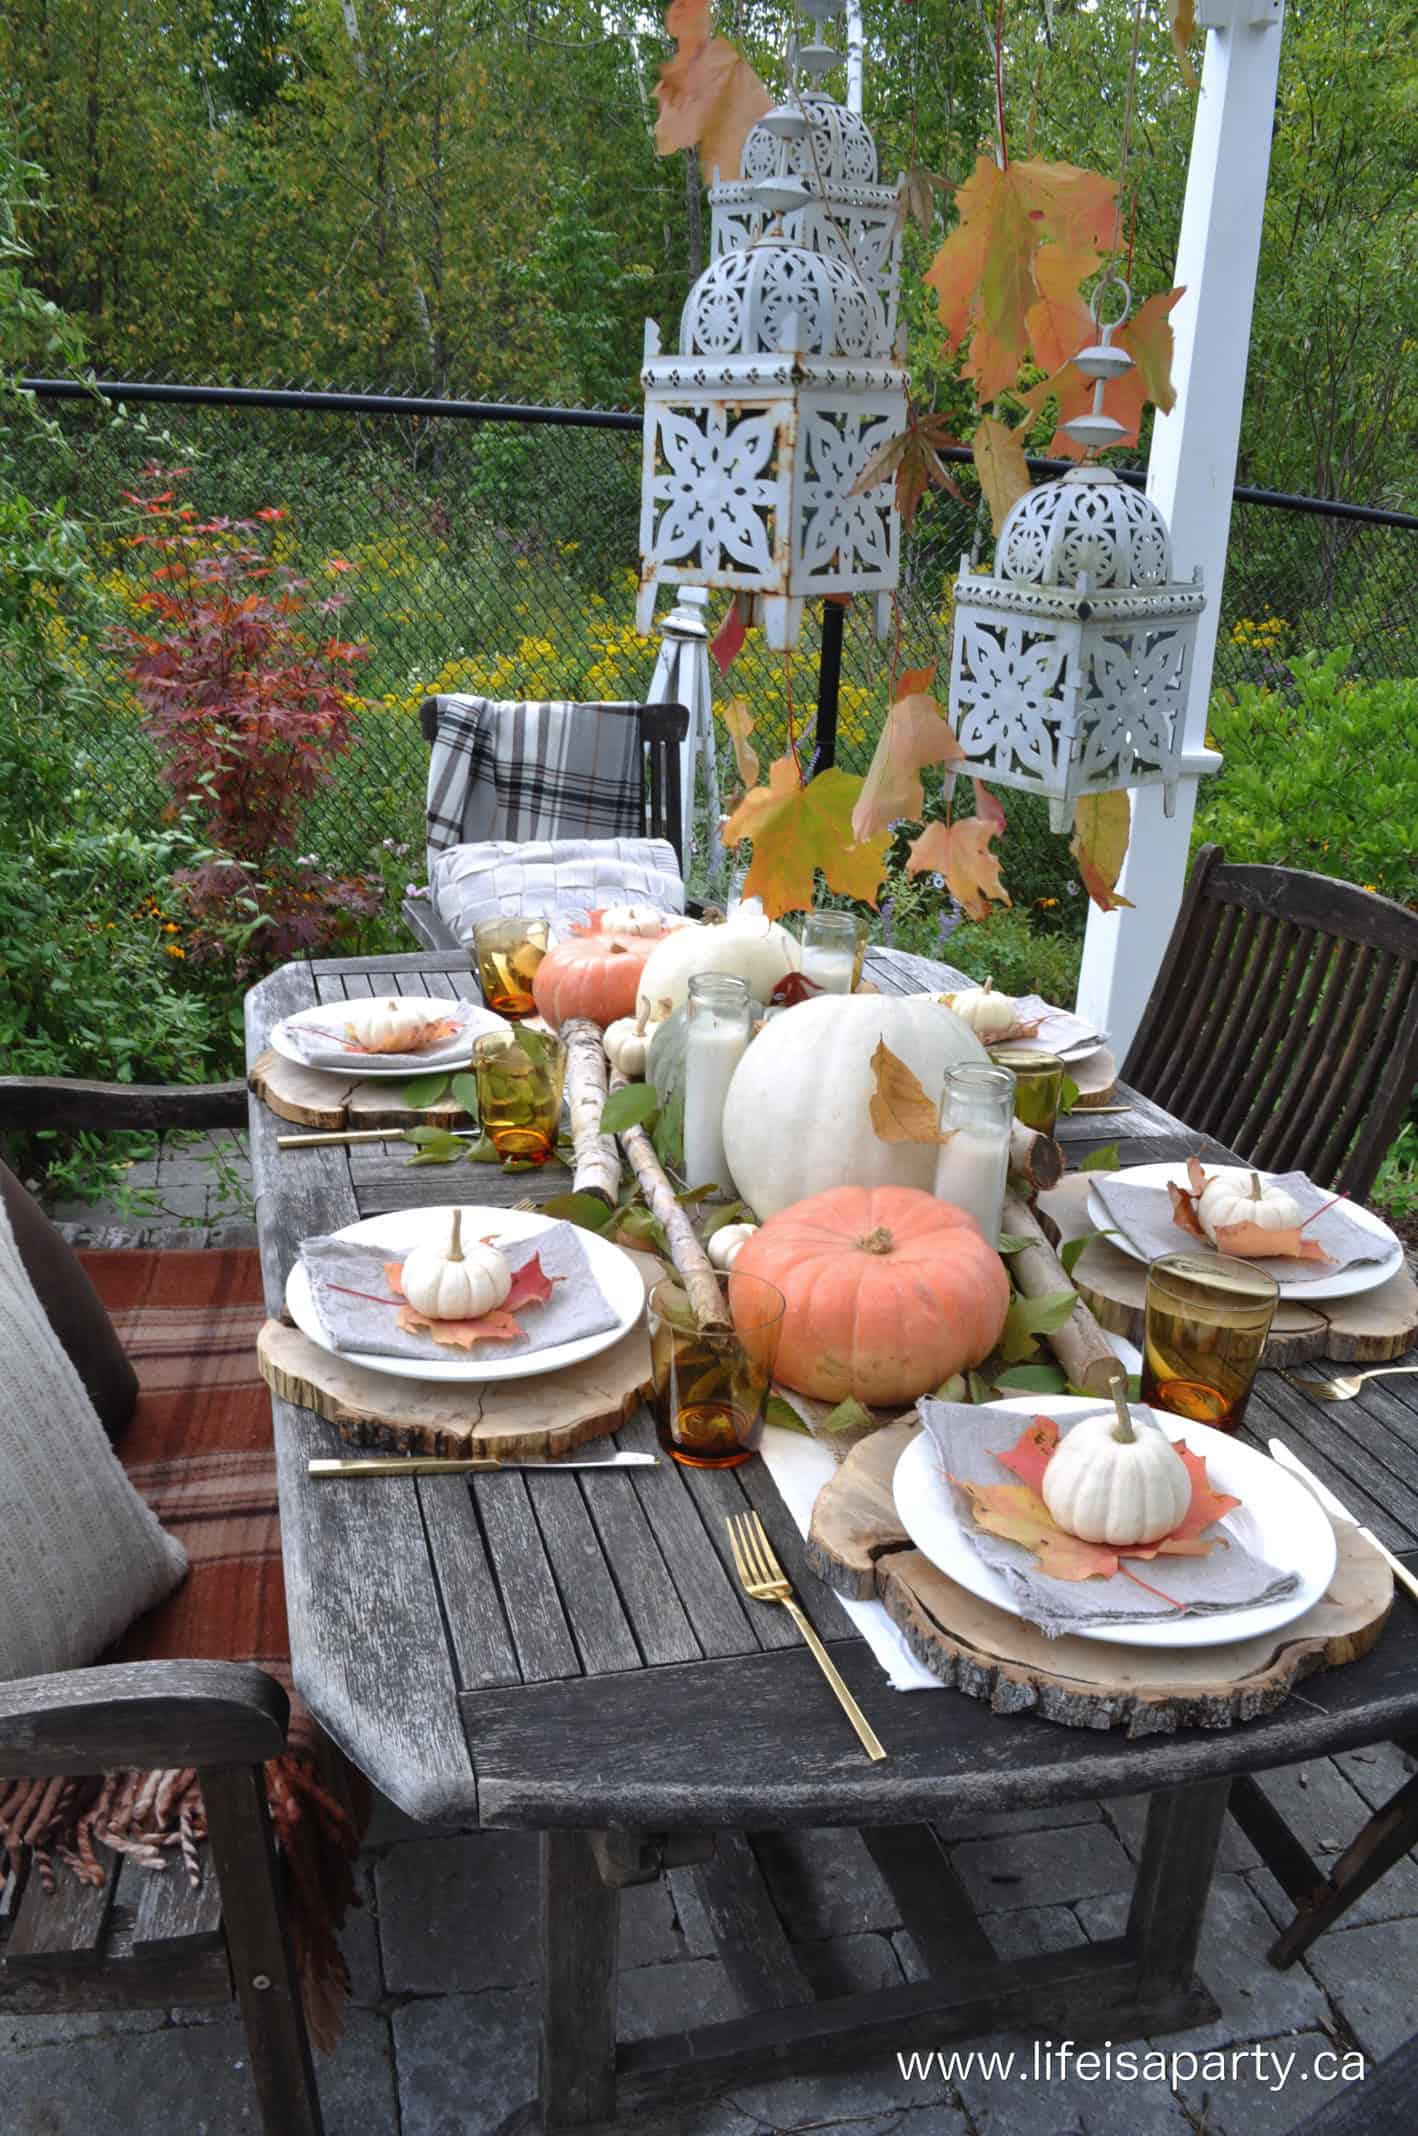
[(748, 947), (797, 1119)]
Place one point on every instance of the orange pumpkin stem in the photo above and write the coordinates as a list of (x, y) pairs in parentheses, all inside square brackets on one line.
[(878, 1241)]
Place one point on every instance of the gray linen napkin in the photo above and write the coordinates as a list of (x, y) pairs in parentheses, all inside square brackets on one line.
[(324, 1052), (574, 1309), (1058, 1028), (1231, 1578), (1144, 1216)]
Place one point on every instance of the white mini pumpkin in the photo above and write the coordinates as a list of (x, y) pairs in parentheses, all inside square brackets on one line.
[(1117, 1479), (447, 1283), (1233, 1199), (389, 1023), (797, 1119), (725, 1243), (748, 947), (632, 920), (988, 1014), (628, 1047)]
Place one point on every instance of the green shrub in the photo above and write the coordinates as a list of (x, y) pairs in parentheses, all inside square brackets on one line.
[(1321, 773)]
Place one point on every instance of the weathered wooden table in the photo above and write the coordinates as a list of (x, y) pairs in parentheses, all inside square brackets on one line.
[(576, 1657)]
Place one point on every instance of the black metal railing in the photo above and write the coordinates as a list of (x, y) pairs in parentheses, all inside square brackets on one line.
[(491, 547)]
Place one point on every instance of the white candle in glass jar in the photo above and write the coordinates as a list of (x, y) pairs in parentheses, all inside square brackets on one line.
[(831, 969), (716, 1038), (971, 1172)]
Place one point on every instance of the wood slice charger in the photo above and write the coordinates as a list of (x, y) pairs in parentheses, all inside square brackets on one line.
[(532, 1419), (857, 1545)]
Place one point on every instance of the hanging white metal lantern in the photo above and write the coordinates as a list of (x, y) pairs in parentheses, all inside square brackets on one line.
[(1072, 659), (786, 382)]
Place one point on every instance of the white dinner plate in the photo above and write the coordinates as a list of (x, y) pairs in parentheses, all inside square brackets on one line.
[(1344, 1283), (452, 1054), (1277, 1519), (403, 1229)]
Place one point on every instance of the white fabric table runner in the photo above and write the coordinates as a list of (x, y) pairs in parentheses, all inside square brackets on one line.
[(799, 1467)]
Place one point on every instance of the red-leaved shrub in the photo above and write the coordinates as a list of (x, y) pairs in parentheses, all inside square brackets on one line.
[(248, 699)]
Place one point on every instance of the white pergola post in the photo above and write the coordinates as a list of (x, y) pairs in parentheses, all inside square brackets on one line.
[(1192, 469)]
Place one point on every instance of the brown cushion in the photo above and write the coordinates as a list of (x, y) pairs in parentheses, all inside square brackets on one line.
[(73, 1307)]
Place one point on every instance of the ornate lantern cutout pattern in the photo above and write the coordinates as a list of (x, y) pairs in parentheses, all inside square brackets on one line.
[(1072, 659), (786, 381)]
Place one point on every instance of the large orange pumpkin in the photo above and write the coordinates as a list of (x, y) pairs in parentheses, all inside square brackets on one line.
[(591, 974), (888, 1292)]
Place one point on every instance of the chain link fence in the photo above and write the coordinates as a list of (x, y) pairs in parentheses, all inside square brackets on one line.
[(494, 552)]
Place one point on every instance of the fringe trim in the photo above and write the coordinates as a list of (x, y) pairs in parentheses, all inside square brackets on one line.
[(158, 1819)]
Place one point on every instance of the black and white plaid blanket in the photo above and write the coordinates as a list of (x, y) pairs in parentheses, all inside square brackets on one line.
[(533, 771)]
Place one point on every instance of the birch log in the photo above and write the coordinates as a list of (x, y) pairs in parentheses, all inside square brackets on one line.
[(597, 1169), (702, 1287), (1034, 1158), (1080, 1345)]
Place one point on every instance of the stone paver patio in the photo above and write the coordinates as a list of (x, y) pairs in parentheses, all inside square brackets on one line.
[(441, 2036)]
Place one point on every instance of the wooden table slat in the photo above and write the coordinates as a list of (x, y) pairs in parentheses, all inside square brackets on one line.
[(540, 1634), (481, 1642), (709, 1594), (662, 1628), (584, 1580)]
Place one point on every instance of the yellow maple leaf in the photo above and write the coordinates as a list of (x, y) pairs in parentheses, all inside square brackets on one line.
[(739, 721), (961, 853), (797, 828), (912, 736), (998, 453), (1102, 825)]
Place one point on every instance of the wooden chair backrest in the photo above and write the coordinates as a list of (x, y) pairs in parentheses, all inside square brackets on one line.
[(662, 729), (1284, 1020)]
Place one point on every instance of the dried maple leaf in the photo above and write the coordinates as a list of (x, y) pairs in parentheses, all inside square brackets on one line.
[(988, 806), (900, 1109), (1207, 1505), (986, 273), (1147, 337), (998, 453), (1252, 1242), (1032, 1451), (738, 720), (915, 199), (531, 1285), (1181, 17), (496, 1326), (913, 456), (708, 94), (798, 828), (727, 642), (1019, 1515), (960, 852), (912, 736), (1102, 825)]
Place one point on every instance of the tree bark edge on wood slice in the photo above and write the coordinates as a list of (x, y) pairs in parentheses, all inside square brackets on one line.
[(536, 1418), (857, 1545)]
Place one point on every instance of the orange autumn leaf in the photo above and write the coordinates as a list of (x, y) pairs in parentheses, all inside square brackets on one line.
[(1252, 1242), (412, 1040), (1019, 1515), (1060, 323), (961, 853), (912, 736), (1207, 1505), (739, 721), (986, 275), (900, 1109), (1181, 17), (1148, 339), (998, 453), (1032, 1452), (531, 1285), (798, 828), (1102, 825), (497, 1326), (708, 94)]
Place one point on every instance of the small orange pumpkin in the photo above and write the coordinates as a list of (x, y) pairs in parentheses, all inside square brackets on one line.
[(591, 974), (888, 1292)]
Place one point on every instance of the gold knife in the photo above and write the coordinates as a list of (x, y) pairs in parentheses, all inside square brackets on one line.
[(1337, 1510), (361, 1134), (463, 1464)]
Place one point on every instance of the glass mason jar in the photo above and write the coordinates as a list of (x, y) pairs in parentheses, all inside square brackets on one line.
[(718, 1026), (834, 946), (977, 1109), (1038, 1085)]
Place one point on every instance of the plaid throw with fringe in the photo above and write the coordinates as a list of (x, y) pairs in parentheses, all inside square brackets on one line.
[(199, 1450), (525, 771)]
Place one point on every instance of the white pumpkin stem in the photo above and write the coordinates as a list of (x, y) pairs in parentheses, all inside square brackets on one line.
[(989, 985), (1123, 1430), (1257, 1191), (455, 1245)]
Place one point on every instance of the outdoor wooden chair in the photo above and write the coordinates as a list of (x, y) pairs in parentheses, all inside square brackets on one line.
[(144, 1939), (1284, 1020), (662, 730)]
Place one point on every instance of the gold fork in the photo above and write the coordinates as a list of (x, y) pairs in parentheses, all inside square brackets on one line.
[(764, 1579), (1344, 1389)]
